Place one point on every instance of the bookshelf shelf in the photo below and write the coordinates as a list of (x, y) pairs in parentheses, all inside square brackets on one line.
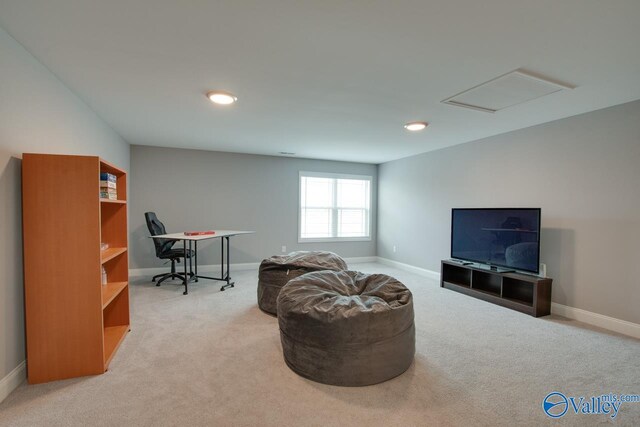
[(109, 254), (110, 291), (113, 337), (122, 202), (65, 302)]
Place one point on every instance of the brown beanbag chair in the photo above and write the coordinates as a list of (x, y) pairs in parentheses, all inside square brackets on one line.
[(346, 328), (276, 271)]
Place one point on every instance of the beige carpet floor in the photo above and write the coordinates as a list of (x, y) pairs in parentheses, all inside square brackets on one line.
[(213, 358)]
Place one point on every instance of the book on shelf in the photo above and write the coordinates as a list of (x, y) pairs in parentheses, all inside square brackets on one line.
[(110, 196), (108, 190), (104, 176), (107, 184)]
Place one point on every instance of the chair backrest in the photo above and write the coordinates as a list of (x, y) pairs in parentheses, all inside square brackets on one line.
[(156, 227)]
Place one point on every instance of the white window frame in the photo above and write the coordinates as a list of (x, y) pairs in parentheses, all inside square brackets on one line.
[(334, 209)]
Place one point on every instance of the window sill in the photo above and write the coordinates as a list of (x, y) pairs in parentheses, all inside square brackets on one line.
[(334, 239)]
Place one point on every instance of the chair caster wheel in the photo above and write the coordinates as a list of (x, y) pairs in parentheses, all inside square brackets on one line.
[(185, 293), (157, 284)]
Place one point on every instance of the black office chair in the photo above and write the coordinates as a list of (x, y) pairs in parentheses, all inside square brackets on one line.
[(164, 249)]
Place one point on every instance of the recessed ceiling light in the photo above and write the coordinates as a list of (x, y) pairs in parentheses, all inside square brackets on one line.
[(222, 98), (416, 126)]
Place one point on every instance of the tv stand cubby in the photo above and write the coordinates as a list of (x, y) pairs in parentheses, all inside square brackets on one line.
[(521, 292)]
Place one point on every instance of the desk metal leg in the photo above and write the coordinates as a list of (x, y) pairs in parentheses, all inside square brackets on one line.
[(195, 244), (186, 276), (226, 277), (191, 274), (225, 265)]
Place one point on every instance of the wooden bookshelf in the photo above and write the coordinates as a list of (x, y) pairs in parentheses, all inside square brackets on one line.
[(74, 324)]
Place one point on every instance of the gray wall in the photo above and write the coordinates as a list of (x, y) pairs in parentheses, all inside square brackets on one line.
[(37, 114), (584, 172), (195, 190)]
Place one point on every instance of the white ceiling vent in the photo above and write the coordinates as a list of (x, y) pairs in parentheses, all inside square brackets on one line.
[(505, 91)]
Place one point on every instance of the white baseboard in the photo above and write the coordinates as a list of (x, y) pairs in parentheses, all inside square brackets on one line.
[(413, 269), (140, 272), (361, 259), (595, 319), (610, 323), (13, 380)]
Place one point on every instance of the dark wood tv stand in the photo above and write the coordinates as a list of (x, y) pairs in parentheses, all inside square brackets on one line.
[(521, 292)]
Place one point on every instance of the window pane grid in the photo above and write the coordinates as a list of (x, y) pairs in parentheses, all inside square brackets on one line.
[(316, 192), (334, 207), (352, 222), (316, 223), (352, 193)]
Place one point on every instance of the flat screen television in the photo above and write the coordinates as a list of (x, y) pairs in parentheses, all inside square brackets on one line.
[(501, 237)]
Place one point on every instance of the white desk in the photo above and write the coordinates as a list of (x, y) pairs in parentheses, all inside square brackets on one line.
[(223, 235)]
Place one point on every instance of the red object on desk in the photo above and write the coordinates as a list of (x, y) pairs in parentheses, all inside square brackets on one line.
[(199, 233)]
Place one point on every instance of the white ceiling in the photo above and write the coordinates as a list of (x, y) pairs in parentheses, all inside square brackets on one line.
[(331, 79)]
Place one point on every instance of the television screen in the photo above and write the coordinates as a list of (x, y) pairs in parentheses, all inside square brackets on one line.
[(505, 237)]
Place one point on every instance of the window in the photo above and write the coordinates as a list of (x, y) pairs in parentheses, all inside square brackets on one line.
[(334, 207)]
